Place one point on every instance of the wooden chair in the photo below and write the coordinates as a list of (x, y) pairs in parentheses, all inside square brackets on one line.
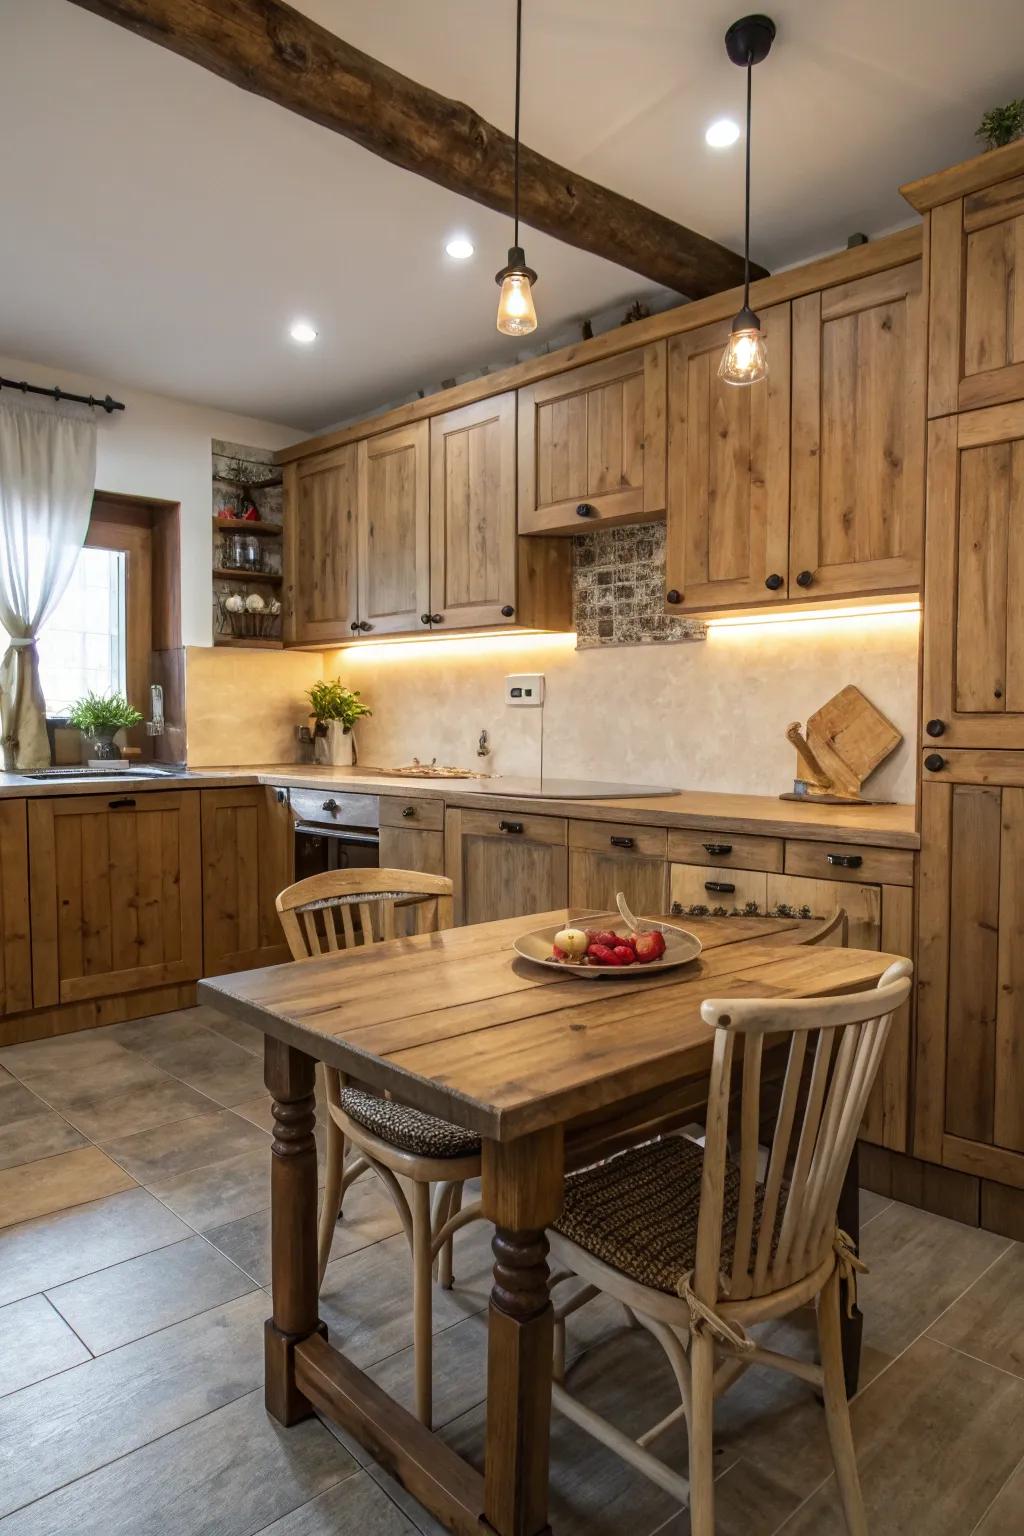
[(697, 1248), (344, 909)]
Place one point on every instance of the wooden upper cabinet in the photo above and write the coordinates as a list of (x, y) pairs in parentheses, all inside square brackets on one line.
[(973, 686), (473, 514), (115, 894), (247, 839), (728, 481), (321, 501), (594, 437), (858, 437), (394, 530), (976, 323), (15, 952)]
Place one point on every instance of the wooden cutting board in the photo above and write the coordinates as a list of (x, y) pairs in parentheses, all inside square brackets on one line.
[(849, 737)]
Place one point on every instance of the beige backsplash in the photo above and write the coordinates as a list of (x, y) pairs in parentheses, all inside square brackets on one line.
[(242, 706)]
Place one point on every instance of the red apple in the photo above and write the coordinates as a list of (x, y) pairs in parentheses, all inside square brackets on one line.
[(649, 946)]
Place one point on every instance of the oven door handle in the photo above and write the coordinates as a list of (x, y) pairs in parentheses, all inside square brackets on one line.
[(341, 834)]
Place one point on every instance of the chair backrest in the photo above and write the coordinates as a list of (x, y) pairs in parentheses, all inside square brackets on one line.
[(785, 1225), (317, 914), (834, 930)]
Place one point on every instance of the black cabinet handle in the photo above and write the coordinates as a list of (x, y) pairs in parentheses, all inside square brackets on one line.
[(844, 860), (773, 582), (364, 626), (424, 618), (354, 624), (622, 842), (332, 806), (933, 762), (722, 887), (804, 578), (281, 796), (585, 510), (437, 618), (718, 850), (510, 826), (507, 611), (408, 811), (673, 595), (121, 805), (936, 727)]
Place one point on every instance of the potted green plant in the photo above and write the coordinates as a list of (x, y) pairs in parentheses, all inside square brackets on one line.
[(335, 709), (1002, 125), (99, 717)]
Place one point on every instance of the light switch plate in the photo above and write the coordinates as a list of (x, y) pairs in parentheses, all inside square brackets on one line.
[(525, 690)]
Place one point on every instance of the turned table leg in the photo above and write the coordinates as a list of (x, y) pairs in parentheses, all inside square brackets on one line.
[(522, 1193), (290, 1078)]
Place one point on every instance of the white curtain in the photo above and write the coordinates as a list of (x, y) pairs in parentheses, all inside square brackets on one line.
[(47, 478)]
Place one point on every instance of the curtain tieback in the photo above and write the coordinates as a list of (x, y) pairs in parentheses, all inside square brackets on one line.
[(703, 1317), (849, 1264), (21, 645)]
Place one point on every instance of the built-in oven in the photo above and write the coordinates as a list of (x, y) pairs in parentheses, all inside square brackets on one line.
[(334, 831)]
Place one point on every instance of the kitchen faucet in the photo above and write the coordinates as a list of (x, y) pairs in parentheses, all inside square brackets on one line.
[(155, 725)]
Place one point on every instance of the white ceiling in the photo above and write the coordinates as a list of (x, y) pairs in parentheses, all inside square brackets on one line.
[(163, 228)]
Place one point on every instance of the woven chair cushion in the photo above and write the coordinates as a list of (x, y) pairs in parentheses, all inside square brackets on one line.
[(408, 1129), (638, 1212)]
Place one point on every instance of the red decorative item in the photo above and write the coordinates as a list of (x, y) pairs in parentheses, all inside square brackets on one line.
[(251, 515)]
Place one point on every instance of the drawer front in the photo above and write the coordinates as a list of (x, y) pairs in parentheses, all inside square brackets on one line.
[(332, 806), (726, 848), (847, 861), (694, 885), (613, 837), (517, 828), (427, 814)]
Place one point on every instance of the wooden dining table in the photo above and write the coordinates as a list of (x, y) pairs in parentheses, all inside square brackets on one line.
[(550, 1069)]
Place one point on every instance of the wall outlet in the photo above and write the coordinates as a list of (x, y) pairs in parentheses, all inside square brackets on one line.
[(525, 690)]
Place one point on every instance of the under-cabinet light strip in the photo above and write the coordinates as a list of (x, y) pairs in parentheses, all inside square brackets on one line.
[(851, 615)]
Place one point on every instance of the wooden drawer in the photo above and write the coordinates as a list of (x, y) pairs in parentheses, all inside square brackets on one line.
[(344, 810), (427, 814), (618, 838), (689, 886), (848, 861), (534, 829), (726, 848)]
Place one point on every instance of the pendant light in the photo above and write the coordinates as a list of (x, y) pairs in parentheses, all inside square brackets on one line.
[(745, 360), (516, 313)]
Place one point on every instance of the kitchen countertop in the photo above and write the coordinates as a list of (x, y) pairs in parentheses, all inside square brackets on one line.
[(879, 826)]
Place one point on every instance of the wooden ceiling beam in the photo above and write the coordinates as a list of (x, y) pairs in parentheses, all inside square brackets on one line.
[(272, 50)]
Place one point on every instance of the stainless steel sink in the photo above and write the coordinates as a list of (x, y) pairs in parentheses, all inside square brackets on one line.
[(115, 771)]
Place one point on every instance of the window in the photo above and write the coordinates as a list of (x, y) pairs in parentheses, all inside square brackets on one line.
[(82, 644)]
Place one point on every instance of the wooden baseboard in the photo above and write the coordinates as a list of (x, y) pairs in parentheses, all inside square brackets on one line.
[(898, 1176), (45, 1023)]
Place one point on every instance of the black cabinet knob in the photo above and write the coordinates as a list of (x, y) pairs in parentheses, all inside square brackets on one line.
[(933, 762), (332, 806), (804, 578), (507, 611), (773, 582), (281, 797), (408, 811), (424, 618), (354, 624), (586, 510), (936, 727), (437, 618), (844, 860), (673, 595), (363, 625)]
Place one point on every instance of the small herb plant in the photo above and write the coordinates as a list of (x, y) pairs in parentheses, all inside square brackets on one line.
[(102, 712), (331, 700), (1001, 125)]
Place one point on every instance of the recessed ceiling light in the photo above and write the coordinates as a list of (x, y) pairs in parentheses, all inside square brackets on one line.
[(301, 330), (459, 248), (721, 133)]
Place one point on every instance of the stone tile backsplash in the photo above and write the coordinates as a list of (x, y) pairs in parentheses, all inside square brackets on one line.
[(618, 590)]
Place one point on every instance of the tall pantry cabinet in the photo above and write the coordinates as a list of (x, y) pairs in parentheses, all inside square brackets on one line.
[(969, 1108)]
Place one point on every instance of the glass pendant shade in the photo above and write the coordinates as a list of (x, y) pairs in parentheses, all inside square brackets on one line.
[(745, 359), (517, 315)]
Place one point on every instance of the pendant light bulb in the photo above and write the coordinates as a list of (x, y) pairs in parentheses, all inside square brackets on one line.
[(745, 359), (517, 315)]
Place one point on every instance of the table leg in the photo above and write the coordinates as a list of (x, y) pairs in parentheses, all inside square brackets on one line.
[(851, 1329), (290, 1077), (522, 1194)]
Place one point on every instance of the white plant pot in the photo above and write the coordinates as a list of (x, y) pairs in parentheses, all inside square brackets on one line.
[(335, 750)]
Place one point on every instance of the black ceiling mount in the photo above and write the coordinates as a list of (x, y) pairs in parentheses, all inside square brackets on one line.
[(749, 40)]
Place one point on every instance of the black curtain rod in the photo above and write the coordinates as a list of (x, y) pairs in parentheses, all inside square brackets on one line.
[(56, 393)]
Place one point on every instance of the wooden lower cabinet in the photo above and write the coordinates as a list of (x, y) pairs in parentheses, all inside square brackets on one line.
[(411, 847), (15, 949), (247, 858), (605, 858), (504, 864), (970, 1049), (115, 894)]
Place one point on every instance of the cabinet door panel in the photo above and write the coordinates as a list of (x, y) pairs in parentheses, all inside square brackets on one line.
[(115, 893), (728, 486), (394, 530), (858, 436), (246, 840), (689, 886), (863, 903), (321, 499), (596, 436), (473, 513), (15, 951), (595, 879), (505, 874), (410, 848)]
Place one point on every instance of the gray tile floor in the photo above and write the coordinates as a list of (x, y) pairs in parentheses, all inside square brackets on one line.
[(131, 1337)]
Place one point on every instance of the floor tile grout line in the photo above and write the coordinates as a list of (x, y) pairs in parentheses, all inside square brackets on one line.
[(965, 1354), (69, 1325), (998, 1495)]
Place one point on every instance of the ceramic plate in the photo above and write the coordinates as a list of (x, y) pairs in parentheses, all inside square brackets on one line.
[(680, 948)]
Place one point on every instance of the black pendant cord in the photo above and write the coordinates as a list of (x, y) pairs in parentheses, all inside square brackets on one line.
[(56, 393), (519, 76), (746, 225)]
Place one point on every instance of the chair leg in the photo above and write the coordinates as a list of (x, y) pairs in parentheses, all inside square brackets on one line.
[(446, 1274), (837, 1408), (422, 1265), (702, 1410), (330, 1210)]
